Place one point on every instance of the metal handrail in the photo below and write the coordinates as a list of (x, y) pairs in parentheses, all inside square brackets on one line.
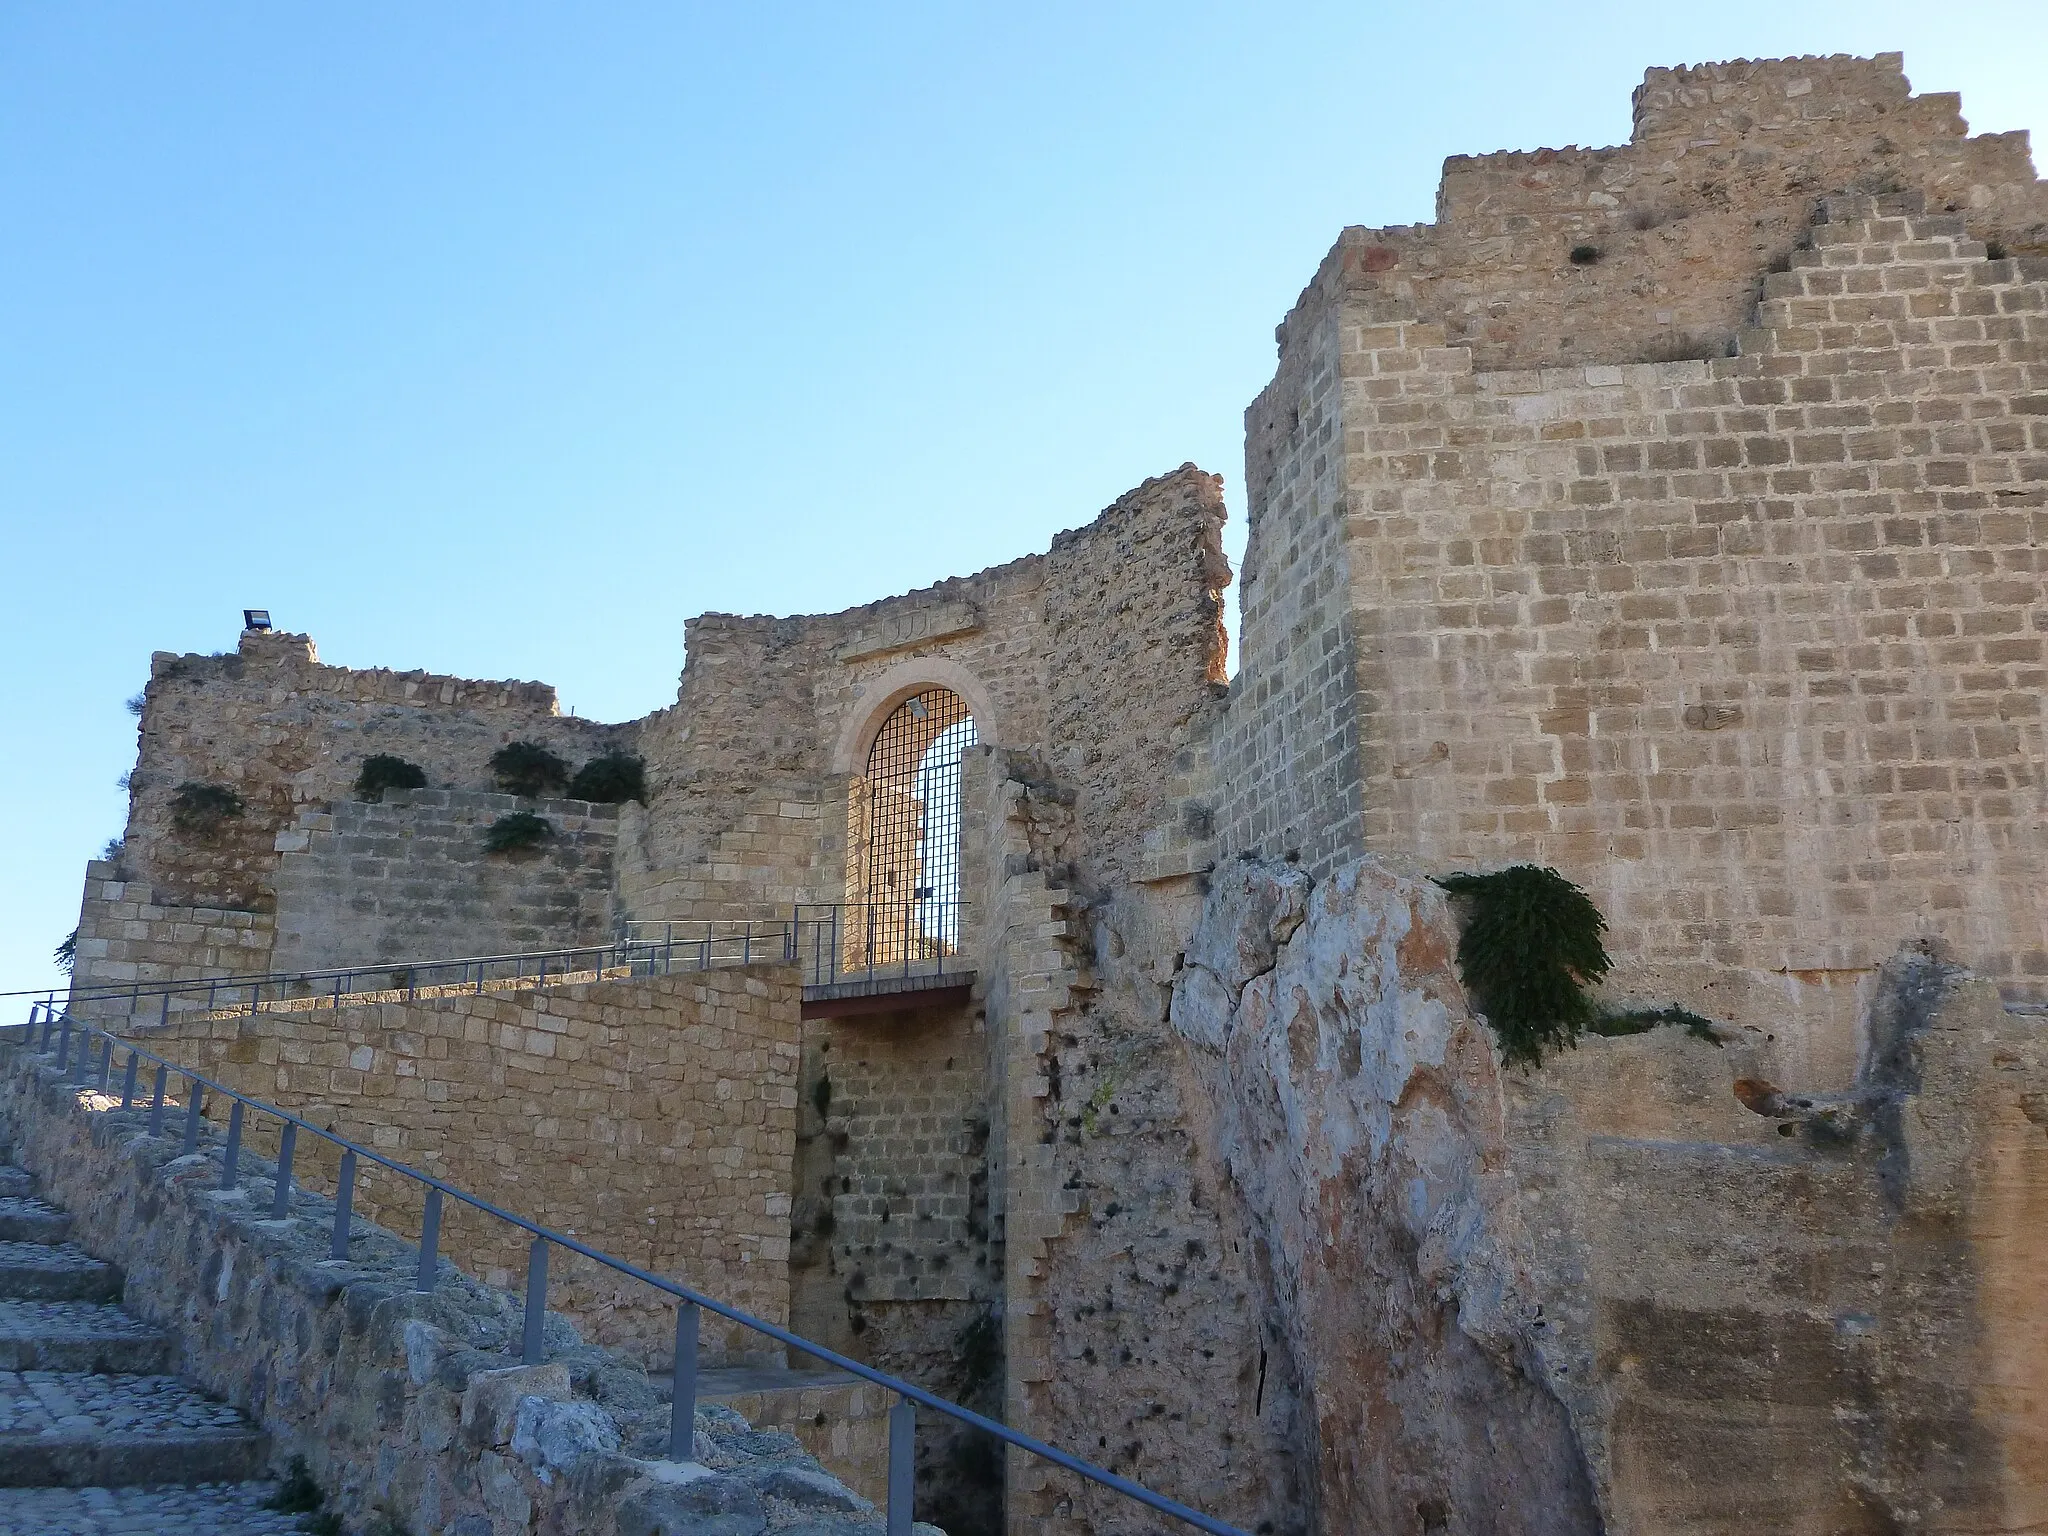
[(902, 1417), (877, 941), (700, 945)]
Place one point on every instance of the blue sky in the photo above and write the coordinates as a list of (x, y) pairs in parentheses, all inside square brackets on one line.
[(498, 338)]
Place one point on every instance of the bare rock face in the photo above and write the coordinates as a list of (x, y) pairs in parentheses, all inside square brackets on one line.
[(1360, 1111)]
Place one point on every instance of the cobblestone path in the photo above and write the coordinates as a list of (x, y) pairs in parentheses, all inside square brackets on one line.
[(97, 1436)]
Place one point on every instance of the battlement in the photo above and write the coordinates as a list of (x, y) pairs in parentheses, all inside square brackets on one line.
[(1656, 250)]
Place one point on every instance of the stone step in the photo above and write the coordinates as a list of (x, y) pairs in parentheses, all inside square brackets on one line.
[(205, 1509), (25, 1219), (55, 1272), (79, 1336), (64, 1429), (15, 1183)]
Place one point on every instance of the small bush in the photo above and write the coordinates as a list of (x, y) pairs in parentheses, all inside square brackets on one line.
[(66, 954), (383, 771), (199, 809), (1531, 946), (298, 1494), (517, 833), (116, 846), (1585, 255), (137, 704), (526, 768), (612, 779)]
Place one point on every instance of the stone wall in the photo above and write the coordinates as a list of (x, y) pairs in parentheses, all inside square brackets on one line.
[(1639, 1289), (408, 878), (654, 1118), (1750, 647), (1674, 230), (412, 1411), (271, 723), (127, 937)]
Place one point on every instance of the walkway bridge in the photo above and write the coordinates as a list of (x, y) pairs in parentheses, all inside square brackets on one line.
[(871, 958)]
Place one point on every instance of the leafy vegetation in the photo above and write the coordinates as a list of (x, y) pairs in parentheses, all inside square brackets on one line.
[(66, 954), (518, 832), (383, 771), (136, 705), (527, 768), (298, 1494), (612, 779), (1527, 954), (199, 810)]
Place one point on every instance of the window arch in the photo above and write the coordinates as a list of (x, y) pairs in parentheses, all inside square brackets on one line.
[(906, 864)]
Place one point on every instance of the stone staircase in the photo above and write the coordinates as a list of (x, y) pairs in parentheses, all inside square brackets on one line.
[(97, 1437)]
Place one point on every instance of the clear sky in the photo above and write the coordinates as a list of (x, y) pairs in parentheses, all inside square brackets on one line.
[(498, 338)]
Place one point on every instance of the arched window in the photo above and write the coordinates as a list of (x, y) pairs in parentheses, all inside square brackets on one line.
[(906, 861)]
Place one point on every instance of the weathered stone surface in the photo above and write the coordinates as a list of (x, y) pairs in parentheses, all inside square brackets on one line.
[(1635, 1290), (1359, 1111), (398, 1401)]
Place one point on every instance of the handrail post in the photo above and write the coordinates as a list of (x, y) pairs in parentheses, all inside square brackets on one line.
[(536, 1302), (902, 1465), (344, 1205), (128, 1080), (682, 1420), (430, 1243), (64, 1048), (230, 1160), (106, 1061), (195, 1096), (163, 1014), (49, 1028), (281, 1191), (156, 1107)]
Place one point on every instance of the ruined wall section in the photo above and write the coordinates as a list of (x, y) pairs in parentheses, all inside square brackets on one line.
[(748, 811), (1676, 228), (281, 730), (1134, 647), (1285, 755), (653, 1118), (408, 878), (1753, 649)]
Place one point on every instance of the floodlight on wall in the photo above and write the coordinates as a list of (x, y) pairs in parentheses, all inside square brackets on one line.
[(255, 618)]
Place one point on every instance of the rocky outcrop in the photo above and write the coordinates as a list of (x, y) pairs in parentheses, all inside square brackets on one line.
[(1359, 1108), (1639, 1288)]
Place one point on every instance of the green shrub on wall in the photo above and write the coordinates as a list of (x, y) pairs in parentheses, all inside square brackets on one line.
[(200, 810), (1530, 949), (383, 771), (612, 779), (517, 833), (527, 768)]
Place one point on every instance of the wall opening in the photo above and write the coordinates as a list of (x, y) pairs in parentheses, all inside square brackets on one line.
[(905, 864)]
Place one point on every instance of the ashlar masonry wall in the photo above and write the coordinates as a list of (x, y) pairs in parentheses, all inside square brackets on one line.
[(654, 1118), (127, 938), (1753, 648), (1750, 646), (409, 878)]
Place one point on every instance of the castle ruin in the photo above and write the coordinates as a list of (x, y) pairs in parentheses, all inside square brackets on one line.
[(1674, 515)]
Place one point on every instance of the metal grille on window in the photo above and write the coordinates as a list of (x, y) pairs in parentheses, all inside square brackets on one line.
[(910, 864)]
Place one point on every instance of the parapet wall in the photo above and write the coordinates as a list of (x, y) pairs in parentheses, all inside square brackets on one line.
[(655, 1119)]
